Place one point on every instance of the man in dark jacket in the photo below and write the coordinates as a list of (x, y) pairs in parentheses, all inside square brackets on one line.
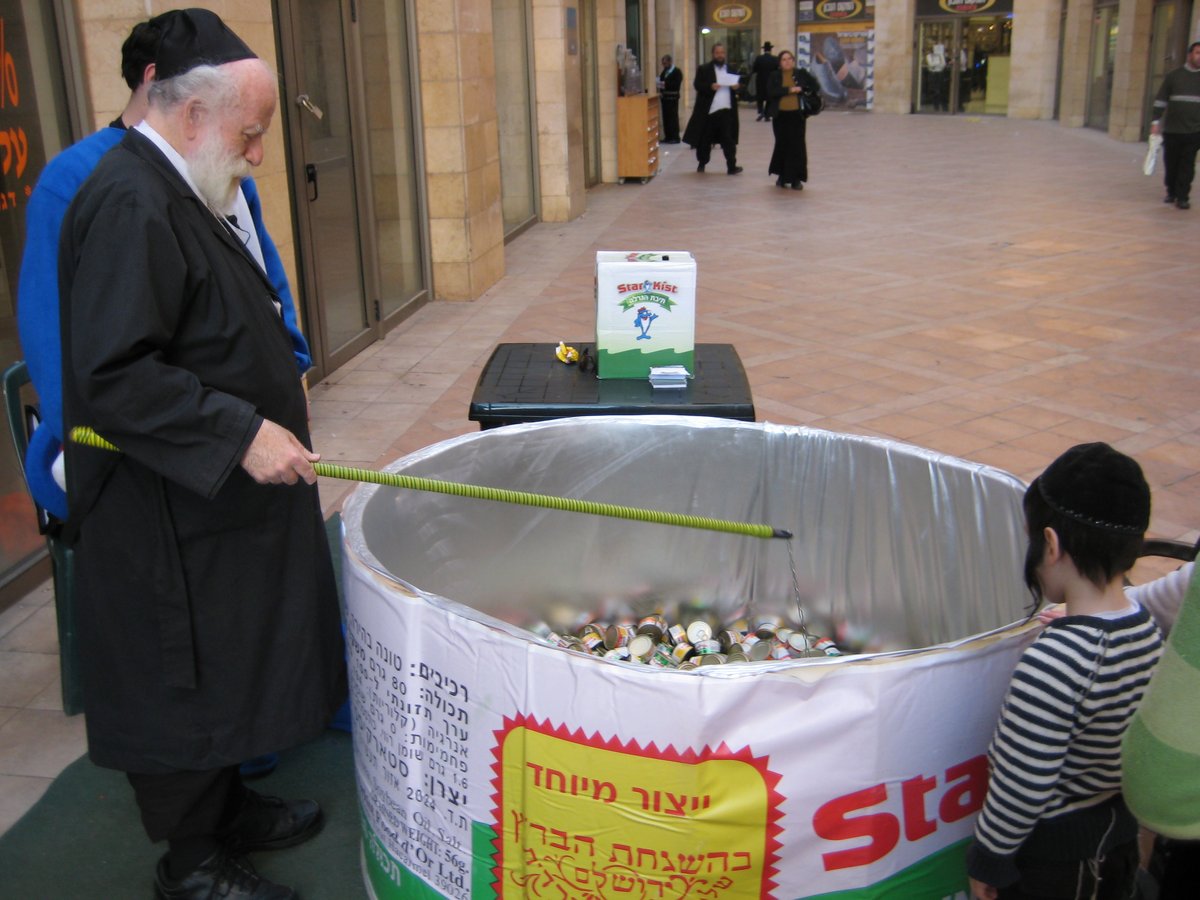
[(714, 116), (206, 602), (670, 80), (1177, 118), (764, 64)]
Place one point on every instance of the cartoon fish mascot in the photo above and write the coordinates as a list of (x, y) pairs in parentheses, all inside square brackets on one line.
[(642, 322)]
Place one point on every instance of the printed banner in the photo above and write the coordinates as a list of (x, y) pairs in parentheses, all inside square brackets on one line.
[(842, 61), (492, 765)]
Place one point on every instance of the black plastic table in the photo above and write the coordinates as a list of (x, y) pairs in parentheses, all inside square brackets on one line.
[(526, 383)]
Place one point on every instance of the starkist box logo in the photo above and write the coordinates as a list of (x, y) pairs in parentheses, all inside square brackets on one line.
[(924, 802), (656, 292)]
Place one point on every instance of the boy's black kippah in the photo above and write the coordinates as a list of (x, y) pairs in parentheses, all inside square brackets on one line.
[(1098, 486), (195, 37)]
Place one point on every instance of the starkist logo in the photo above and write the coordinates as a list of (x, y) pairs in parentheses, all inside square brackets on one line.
[(656, 292), (924, 802)]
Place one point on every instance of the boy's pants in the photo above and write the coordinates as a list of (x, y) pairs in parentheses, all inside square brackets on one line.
[(1075, 880)]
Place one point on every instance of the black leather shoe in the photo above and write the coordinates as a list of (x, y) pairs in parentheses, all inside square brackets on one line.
[(1182, 204), (222, 875), (700, 168), (779, 182), (269, 823), (760, 118), (736, 170), (1170, 198), (798, 186)]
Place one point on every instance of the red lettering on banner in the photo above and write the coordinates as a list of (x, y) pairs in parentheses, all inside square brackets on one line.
[(965, 797), (966, 786), (916, 825), (832, 823)]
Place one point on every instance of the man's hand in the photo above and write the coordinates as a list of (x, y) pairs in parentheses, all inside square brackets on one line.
[(276, 456), (1155, 127), (981, 891)]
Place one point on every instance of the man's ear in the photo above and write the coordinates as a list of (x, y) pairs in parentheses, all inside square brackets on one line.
[(149, 72), (194, 112)]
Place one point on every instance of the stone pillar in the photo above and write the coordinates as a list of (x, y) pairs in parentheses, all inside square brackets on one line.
[(1077, 33), (557, 88), (894, 22), (778, 25), (462, 146), (1031, 86), (1127, 114), (610, 31)]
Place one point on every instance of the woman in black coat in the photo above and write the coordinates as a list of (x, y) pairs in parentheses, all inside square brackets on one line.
[(785, 88)]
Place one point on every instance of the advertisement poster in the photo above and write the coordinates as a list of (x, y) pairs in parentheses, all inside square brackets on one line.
[(491, 765), (842, 59)]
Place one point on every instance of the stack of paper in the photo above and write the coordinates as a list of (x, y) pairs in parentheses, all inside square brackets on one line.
[(669, 376)]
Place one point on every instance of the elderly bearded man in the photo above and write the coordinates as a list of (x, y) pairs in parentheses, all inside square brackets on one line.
[(206, 601)]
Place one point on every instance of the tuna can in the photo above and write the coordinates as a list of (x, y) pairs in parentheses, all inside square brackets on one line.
[(641, 646), (653, 625), (766, 629), (662, 658), (698, 631), (736, 654), (759, 650), (542, 630), (707, 647), (617, 636), (682, 651), (799, 641), (590, 629), (594, 643), (688, 665), (780, 651), (712, 659), (677, 634), (728, 638), (618, 653)]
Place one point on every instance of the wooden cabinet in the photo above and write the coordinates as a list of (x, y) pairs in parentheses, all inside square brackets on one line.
[(637, 137)]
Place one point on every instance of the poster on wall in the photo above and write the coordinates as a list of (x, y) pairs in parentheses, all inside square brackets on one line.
[(843, 62), (22, 155)]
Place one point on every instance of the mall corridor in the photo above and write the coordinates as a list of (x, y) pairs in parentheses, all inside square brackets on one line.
[(991, 288)]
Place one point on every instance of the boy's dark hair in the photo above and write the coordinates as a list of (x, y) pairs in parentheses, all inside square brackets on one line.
[(1098, 503), (139, 51)]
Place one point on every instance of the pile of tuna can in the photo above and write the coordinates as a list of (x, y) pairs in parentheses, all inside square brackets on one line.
[(693, 642)]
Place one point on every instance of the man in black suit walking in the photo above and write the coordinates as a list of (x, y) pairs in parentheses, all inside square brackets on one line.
[(670, 80), (714, 117), (763, 66)]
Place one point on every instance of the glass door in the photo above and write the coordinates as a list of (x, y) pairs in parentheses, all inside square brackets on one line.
[(935, 84), (325, 183), (1101, 65), (514, 107), (1168, 46)]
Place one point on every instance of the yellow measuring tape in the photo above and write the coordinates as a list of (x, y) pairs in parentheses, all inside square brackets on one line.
[(88, 437)]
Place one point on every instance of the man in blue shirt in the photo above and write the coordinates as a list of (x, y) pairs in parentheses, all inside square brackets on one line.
[(37, 291)]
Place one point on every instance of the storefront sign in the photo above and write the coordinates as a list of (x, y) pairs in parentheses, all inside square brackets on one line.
[(963, 7), (731, 15), (840, 10), (837, 11)]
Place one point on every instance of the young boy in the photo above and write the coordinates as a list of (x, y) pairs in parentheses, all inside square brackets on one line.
[(1054, 824)]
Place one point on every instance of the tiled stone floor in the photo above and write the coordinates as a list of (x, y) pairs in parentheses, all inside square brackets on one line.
[(993, 289)]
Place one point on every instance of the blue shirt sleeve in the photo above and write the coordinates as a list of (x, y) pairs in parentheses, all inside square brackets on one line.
[(277, 277)]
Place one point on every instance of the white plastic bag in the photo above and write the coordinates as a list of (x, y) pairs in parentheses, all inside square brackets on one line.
[(1153, 148)]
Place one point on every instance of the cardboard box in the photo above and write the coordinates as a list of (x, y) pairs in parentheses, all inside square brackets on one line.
[(645, 311)]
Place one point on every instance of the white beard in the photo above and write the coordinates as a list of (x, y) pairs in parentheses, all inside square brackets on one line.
[(216, 173)]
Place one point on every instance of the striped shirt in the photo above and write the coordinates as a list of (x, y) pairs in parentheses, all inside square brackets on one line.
[(1057, 747)]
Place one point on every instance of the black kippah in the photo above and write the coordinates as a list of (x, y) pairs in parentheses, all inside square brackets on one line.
[(195, 37), (1098, 486)]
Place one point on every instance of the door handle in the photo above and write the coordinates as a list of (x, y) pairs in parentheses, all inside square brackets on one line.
[(310, 176), (304, 102)]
